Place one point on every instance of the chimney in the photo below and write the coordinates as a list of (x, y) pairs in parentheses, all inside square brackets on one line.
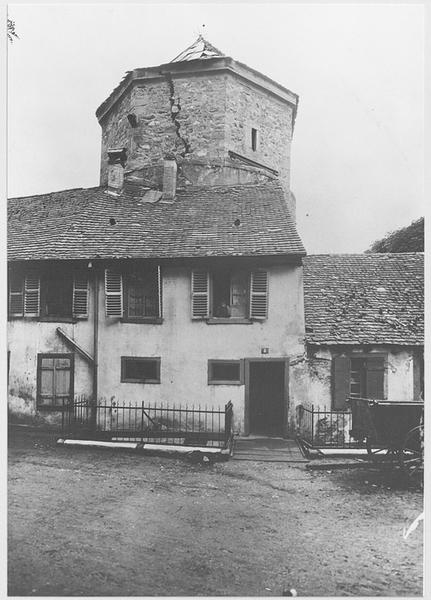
[(116, 163), (169, 178)]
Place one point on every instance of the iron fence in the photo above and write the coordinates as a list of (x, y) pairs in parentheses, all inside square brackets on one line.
[(322, 428), (146, 423)]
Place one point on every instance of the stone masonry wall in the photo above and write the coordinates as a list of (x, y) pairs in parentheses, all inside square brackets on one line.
[(181, 116), (199, 119), (247, 108)]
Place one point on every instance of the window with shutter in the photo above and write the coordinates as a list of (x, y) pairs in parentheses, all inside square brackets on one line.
[(16, 295), (31, 295), (113, 294), (200, 294), (80, 296), (357, 377), (259, 295)]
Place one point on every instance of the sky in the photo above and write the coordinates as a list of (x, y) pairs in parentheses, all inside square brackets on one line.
[(358, 145)]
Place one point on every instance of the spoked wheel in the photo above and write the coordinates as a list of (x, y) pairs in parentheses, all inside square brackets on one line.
[(378, 454), (412, 454)]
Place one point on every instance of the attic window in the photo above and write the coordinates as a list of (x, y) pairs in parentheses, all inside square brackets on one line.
[(253, 139)]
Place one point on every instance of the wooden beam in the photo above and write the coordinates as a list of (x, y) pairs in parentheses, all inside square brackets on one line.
[(74, 345)]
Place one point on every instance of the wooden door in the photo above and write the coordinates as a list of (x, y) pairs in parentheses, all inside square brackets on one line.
[(266, 389)]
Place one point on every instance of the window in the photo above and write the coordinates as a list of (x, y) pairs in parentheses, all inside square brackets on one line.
[(54, 380), (54, 295), (253, 139), (134, 296), (225, 372), (224, 295), (357, 377), (140, 370)]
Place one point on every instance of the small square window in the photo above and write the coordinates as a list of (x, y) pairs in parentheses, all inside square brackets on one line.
[(140, 370), (253, 139), (225, 372)]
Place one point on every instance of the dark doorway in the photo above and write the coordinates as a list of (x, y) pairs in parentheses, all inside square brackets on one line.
[(266, 392)]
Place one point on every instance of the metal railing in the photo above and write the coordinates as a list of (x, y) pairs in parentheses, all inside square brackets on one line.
[(322, 428), (146, 423)]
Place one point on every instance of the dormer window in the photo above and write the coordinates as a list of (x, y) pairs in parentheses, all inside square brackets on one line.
[(253, 139)]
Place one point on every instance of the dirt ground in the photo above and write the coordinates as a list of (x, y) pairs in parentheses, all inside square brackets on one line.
[(87, 522)]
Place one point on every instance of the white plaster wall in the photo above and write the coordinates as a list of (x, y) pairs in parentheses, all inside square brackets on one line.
[(26, 339), (184, 346)]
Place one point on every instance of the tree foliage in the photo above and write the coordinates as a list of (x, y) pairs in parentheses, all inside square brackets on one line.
[(406, 239), (11, 33)]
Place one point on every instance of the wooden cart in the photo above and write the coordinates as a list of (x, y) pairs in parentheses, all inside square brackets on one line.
[(391, 431)]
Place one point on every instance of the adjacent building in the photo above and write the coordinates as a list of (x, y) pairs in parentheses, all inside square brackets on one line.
[(364, 317)]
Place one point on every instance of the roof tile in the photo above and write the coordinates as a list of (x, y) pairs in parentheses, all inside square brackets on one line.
[(364, 298), (76, 224)]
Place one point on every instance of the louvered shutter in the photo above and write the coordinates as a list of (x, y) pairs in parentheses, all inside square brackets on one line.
[(200, 294), (113, 294), (16, 296), (31, 295), (259, 295), (80, 296), (375, 377), (341, 382)]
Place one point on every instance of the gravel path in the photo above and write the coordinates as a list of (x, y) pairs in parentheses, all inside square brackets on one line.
[(98, 522)]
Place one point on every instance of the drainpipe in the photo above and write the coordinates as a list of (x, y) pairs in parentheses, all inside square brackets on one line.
[(95, 346)]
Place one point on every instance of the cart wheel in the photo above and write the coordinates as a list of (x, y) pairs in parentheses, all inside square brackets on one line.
[(377, 455), (412, 454)]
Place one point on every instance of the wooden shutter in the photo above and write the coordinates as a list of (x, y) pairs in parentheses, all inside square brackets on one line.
[(80, 296), (31, 295), (16, 295), (113, 294), (200, 294), (341, 382), (375, 377), (259, 295)]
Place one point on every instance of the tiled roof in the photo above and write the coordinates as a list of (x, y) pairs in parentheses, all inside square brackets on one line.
[(201, 48), (75, 224), (364, 298)]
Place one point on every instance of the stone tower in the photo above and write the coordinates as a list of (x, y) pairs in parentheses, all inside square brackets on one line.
[(223, 122)]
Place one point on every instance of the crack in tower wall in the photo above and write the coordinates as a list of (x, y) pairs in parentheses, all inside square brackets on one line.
[(174, 115)]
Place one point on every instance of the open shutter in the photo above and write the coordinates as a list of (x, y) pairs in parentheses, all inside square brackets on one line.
[(341, 382), (80, 296), (31, 295), (375, 377), (16, 295), (113, 294), (259, 295), (200, 294)]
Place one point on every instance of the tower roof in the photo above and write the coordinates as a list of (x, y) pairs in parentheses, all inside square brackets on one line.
[(201, 48)]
